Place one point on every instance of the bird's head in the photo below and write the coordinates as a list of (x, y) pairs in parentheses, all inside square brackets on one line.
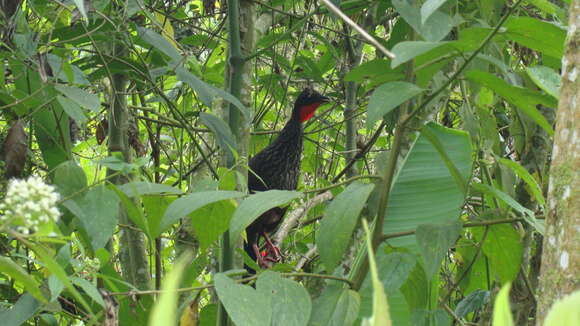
[(307, 103)]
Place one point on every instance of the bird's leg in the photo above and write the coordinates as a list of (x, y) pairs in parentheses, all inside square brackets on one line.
[(276, 255), (262, 262)]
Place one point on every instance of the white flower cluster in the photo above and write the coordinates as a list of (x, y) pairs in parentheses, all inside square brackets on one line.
[(28, 204)]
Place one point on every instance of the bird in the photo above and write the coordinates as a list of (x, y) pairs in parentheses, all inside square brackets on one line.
[(278, 167)]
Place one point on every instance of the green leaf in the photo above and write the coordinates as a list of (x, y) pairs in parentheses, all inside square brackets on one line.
[(90, 289), (380, 315), (502, 245), (160, 43), (502, 315), (13, 270), (223, 133), (98, 211), (407, 50), (72, 109), (473, 302), (429, 7), (527, 214), (241, 302), (69, 178), (208, 93), (340, 219), (387, 97), (522, 98), (185, 205), (537, 35), (21, 311), (435, 27), (140, 188), (164, 311), (81, 97), (376, 70), (564, 312), (434, 241), (291, 304), (211, 221), (530, 181), (52, 135), (255, 205), (134, 212), (549, 8), (81, 7), (425, 178), (336, 306), (546, 79)]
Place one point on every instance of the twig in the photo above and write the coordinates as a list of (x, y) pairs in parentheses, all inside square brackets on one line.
[(359, 29), (292, 219), (304, 259)]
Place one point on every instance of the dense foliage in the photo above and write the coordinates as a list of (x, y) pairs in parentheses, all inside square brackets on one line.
[(423, 187)]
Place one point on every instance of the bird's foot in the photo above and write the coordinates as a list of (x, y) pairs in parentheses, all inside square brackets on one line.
[(272, 250)]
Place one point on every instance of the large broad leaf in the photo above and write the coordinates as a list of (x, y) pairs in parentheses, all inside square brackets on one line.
[(429, 7), (502, 313), (375, 71), (160, 43), (565, 311), (185, 205), (140, 188), (502, 245), (434, 241), (434, 28), (245, 306), (408, 50), (21, 311), (291, 304), (255, 205), (165, 310), (211, 221), (537, 34), (522, 98), (72, 109), (98, 211), (52, 134), (381, 316), (17, 273), (387, 97), (336, 306), (80, 96), (222, 131), (70, 179), (208, 93), (546, 78), (340, 219), (425, 191)]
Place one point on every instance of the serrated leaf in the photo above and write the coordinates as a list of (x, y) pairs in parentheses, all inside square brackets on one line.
[(502, 314), (340, 219), (241, 301), (291, 304), (387, 97), (80, 96), (185, 205), (434, 241), (10, 268), (255, 205)]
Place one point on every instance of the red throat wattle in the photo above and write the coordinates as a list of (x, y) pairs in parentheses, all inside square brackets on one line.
[(307, 111)]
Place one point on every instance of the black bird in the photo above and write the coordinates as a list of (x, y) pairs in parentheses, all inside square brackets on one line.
[(277, 167)]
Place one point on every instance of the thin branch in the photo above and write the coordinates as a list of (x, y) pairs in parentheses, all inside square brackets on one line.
[(359, 29)]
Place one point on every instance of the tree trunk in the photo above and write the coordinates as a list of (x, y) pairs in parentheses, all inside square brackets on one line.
[(560, 269)]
